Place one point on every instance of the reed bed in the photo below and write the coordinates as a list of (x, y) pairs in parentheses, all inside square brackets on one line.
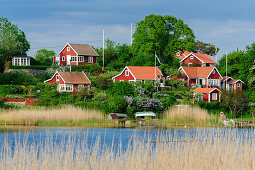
[(33, 116), (188, 113), (203, 152)]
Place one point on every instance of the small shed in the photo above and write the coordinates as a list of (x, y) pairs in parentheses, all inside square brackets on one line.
[(145, 114), (115, 116)]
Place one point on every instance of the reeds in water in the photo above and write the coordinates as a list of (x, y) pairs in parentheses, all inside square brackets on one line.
[(203, 152), (31, 116)]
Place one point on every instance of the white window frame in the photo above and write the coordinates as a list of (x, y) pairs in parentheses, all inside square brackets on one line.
[(190, 64), (213, 72), (57, 77), (68, 48), (214, 96), (66, 87), (126, 73), (192, 57), (90, 60), (63, 58), (238, 85)]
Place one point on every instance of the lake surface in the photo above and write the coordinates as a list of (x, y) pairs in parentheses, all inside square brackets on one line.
[(115, 137)]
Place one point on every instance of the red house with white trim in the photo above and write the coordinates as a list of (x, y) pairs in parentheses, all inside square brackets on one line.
[(201, 76), (76, 54), (139, 74), (229, 83), (208, 94), (197, 59), (72, 82)]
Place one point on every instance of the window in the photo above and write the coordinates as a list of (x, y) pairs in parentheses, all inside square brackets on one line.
[(178, 54), (90, 59), (238, 84), (214, 96), (126, 73), (57, 78), (68, 48), (190, 64), (69, 87), (81, 88), (63, 58), (73, 58), (80, 58), (213, 72), (191, 57)]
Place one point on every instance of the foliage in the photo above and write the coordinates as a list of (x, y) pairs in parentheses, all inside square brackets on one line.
[(234, 102), (103, 81), (144, 89), (122, 88), (92, 69), (206, 48), (17, 78), (239, 64), (161, 34), (44, 57), (251, 79), (12, 40), (34, 67), (11, 89), (1, 64), (166, 97)]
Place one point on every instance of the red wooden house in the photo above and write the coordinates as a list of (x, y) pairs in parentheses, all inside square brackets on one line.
[(229, 83), (197, 59), (181, 55), (76, 54), (72, 82), (139, 74), (201, 76), (208, 94)]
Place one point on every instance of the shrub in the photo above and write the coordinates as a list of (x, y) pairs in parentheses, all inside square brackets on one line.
[(17, 78), (34, 67), (121, 88), (91, 68), (11, 89)]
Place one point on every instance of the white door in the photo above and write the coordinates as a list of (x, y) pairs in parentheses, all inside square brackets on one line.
[(68, 59)]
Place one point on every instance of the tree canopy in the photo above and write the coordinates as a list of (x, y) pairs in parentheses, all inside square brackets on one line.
[(161, 34), (44, 57), (239, 63), (12, 40), (206, 48)]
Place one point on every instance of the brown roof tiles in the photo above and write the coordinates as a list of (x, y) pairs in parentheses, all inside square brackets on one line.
[(74, 77), (84, 49)]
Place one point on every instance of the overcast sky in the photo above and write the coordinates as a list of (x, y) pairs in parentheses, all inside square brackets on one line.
[(51, 24)]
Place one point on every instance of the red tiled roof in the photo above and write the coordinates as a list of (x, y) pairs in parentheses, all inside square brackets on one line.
[(144, 72), (198, 72), (74, 77), (204, 90), (205, 58)]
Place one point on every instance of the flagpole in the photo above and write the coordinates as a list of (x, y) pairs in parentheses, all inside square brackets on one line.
[(155, 69), (226, 69), (103, 49)]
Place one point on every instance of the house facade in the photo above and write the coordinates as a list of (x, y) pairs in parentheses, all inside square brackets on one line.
[(76, 54), (21, 60), (139, 74), (207, 94), (228, 83), (202, 77), (72, 82), (197, 59)]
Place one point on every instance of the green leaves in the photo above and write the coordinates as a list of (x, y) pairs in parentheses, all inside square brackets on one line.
[(12, 40), (44, 57), (163, 35)]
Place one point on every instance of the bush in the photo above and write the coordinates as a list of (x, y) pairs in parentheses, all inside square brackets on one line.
[(11, 89), (34, 67), (121, 88), (17, 78), (91, 68)]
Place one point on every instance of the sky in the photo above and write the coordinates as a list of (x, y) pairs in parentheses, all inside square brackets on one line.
[(50, 24)]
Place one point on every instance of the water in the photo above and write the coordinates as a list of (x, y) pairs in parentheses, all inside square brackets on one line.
[(115, 137)]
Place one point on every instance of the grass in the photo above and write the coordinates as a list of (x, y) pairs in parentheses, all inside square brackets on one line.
[(68, 115), (188, 115), (202, 152)]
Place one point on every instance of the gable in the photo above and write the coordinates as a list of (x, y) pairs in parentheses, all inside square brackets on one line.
[(53, 79), (189, 59), (214, 74), (123, 76), (65, 52)]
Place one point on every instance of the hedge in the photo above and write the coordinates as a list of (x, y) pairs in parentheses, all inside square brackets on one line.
[(34, 67)]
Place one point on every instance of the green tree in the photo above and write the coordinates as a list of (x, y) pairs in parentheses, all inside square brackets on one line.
[(239, 63), (161, 34), (12, 40), (44, 57), (206, 48)]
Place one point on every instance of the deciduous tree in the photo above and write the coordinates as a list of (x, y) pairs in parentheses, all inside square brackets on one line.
[(44, 57)]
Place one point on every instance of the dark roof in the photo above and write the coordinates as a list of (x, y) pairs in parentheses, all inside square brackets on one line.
[(74, 77), (84, 49), (22, 55)]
